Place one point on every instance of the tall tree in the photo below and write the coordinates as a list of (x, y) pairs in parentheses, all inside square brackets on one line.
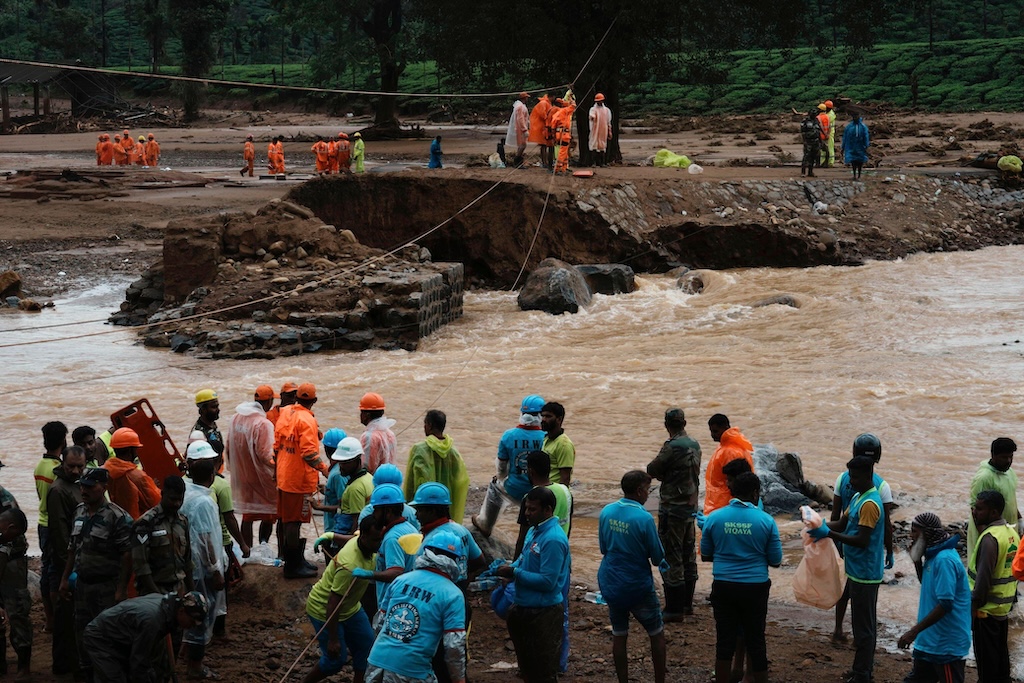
[(155, 29), (197, 22)]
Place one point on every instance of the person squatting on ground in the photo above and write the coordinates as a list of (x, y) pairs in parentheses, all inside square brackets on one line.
[(677, 466), (600, 119), (511, 482), (991, 576), (99, 558), (942, 634), (437, 459), (421, 611), (629, 545), (856, 140), (867, 445), (126, 641), (539, 573), (333, 606), (863, 539), (742, 542)]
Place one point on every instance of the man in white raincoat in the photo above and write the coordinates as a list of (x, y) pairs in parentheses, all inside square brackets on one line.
[(250, 459), (600, 129), (518, 128), (379, 443)]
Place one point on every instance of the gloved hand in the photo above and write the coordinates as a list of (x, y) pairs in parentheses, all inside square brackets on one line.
[(818, 533), (699, 516), (324, 538), (664, 566), (360, 573), (890, 560)]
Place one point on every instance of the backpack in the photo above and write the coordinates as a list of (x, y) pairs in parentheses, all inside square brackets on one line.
[(810, 131)]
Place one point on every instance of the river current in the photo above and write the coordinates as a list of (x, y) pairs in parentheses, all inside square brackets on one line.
[(926, 352)]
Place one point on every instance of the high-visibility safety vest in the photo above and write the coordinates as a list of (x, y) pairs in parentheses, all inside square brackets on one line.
[(1004, 586)]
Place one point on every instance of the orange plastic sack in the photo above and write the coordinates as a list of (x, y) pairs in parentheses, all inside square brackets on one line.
[(819, 579)]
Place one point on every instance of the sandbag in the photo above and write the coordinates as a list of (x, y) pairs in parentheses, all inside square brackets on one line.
[(668, 159), (1009, 164), (820, 579)]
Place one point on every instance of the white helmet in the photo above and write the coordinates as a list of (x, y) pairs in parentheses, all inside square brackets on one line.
[(348, 449)]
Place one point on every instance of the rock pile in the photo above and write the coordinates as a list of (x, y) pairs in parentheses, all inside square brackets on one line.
[(281, 282)]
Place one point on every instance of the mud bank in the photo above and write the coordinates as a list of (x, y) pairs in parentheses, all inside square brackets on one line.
[(655, 225)]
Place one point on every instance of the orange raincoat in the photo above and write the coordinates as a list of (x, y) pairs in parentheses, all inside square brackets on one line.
[(130, 487), (323, 156), (732, 446), (152, 152), (120, 156), (538, 122)]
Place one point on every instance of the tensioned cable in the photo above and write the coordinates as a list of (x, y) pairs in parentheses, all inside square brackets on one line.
[(269, 86)]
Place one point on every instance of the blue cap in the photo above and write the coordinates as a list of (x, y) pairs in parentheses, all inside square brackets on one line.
[(333, 437), (388, 494), (532, 404), (387, 474), (432, 493)]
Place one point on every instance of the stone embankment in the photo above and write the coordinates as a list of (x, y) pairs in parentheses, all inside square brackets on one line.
[(281, 282)]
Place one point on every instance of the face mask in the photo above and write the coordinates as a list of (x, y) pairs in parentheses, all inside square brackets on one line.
[(917, 549)]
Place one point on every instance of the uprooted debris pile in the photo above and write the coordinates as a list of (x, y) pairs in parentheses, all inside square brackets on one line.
[(46, 184), (282, 282)]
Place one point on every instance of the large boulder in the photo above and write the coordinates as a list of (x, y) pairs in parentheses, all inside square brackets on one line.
[(10, 284), (608, 278), (555, 287)]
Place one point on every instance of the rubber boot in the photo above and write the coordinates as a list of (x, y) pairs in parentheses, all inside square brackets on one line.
[(686, 601), (24, 663), (673, 611), (302, 556), (294, 567)]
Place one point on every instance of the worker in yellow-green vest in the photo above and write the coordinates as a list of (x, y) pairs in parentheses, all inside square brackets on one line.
[(831, 133), (990, 572)]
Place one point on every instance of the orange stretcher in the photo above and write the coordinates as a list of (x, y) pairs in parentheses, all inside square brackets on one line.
[(158, 455)]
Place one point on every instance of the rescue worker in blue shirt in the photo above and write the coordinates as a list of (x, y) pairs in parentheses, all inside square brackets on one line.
[(421, 610), (540, 572), (628, 539), (942, 634), (863, 538), (336, 481), (401, 540), (512, 482), (742, 542), (433, 505), (390, 474)]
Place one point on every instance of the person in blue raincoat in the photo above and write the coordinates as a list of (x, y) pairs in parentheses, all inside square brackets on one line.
[(856, 141), (435, 153)]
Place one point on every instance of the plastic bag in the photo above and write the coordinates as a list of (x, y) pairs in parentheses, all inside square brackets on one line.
[(668, 159), (695, 169), (819, 578), (1009, 163)]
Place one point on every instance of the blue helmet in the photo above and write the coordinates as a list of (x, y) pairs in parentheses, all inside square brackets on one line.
[(532, 404), (388, 494), (387, 474), (432, 493), (333, 437), (446, 542)]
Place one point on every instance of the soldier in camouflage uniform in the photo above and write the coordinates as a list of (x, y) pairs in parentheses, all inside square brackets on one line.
[(99, 553), (161, 552), (14, 597), (62, 500)]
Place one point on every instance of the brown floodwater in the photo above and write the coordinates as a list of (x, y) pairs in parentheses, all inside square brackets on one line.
[(926, 352)]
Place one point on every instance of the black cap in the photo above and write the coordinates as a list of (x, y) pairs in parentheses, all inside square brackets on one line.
[(93, 476)]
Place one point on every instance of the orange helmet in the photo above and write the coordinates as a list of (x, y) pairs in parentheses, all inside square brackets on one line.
[(126, 131), (152, 137), (343, 136), (371, 401), (125, 437), (828, 103), (599, 97)]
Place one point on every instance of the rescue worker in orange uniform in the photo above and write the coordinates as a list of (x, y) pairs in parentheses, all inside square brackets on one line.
[(562, 122), (732, 445), (539, 132), (826, 126), (120, 156), (549, 126), (344, 153), (140, 151), (129, 147), (152, 151), (106, 151), (99, 151), (275, 156), (323, 158), (248, 156), (332, 156), (272, 155)]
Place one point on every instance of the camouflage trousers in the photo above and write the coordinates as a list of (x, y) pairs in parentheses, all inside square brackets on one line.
[(677, 530), (17, 601), (90, 600)]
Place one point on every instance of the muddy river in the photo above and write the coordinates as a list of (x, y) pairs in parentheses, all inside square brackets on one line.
[(928, 353)]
